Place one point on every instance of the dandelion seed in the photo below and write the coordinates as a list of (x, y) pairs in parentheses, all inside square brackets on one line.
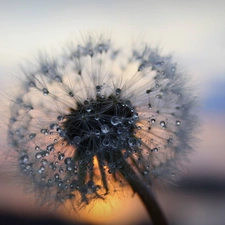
[(92, 120)]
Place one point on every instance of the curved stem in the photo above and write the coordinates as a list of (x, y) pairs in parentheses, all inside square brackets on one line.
[(145, 193)]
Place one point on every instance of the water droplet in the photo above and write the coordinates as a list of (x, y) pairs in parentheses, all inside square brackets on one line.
[(28, 166), (106, 142), (155, 149), (88, 109), (62, 133), (44, 162), (118, 91), (33, 135), (69, 168), (60, 118), (98, 89), (114, 120), (45, 91), (105, 129), (38, 155), (71, 94), (162, 124), (61, 156), (127, 103), (119, 130), (37, 148), (50, 147), (58, 78), (32, 84), (135, 115), (115, 144), (149, 106), (97, 132), (53, 126), (145, 172), (45, 131), (68, 160), (178, 122), (77, 140), (97, 117), (24, 158), (132, 141), (12, 120), (56, 176), (88, 152)]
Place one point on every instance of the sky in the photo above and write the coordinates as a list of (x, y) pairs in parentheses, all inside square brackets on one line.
[(193, 31)]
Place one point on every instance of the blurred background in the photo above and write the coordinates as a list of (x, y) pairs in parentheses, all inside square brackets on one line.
[(193, 31)]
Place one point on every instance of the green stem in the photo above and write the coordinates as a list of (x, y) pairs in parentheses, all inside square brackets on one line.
[(145, 194)]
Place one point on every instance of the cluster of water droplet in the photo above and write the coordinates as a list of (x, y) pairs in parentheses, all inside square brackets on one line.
[(81, 116)]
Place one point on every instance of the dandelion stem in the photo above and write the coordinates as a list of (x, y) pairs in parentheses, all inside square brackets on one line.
[(145, 193)]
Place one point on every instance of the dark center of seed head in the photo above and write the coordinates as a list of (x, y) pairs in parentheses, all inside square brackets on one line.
[(101, 123)]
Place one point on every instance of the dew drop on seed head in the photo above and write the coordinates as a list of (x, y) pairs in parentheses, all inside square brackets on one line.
[(61, 156), (118, 91), (88, 109), (24, 158), (32, 84), (68, 160), (114, 120), (60, 118), (52, 126), (62, 133), (106, 142), (50, 147), (12, 120), (38, 155), (87, 152), (119, 130), (135, 115), (98, 89), (45, 91), (97, 117), (71, 94), (44, 162), (178, 122), (128, 103), (76, 140), (105, 129), (97, 132), (56, 176), (132, 141), (162, 124), (33, 135), (58, 79)]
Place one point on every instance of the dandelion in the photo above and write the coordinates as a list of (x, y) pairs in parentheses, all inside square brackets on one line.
[(97, 115)]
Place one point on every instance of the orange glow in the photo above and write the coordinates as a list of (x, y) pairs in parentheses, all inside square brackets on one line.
[(122, 208)]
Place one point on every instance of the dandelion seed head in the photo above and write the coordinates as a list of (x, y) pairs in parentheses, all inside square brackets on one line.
[(79, 117)]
